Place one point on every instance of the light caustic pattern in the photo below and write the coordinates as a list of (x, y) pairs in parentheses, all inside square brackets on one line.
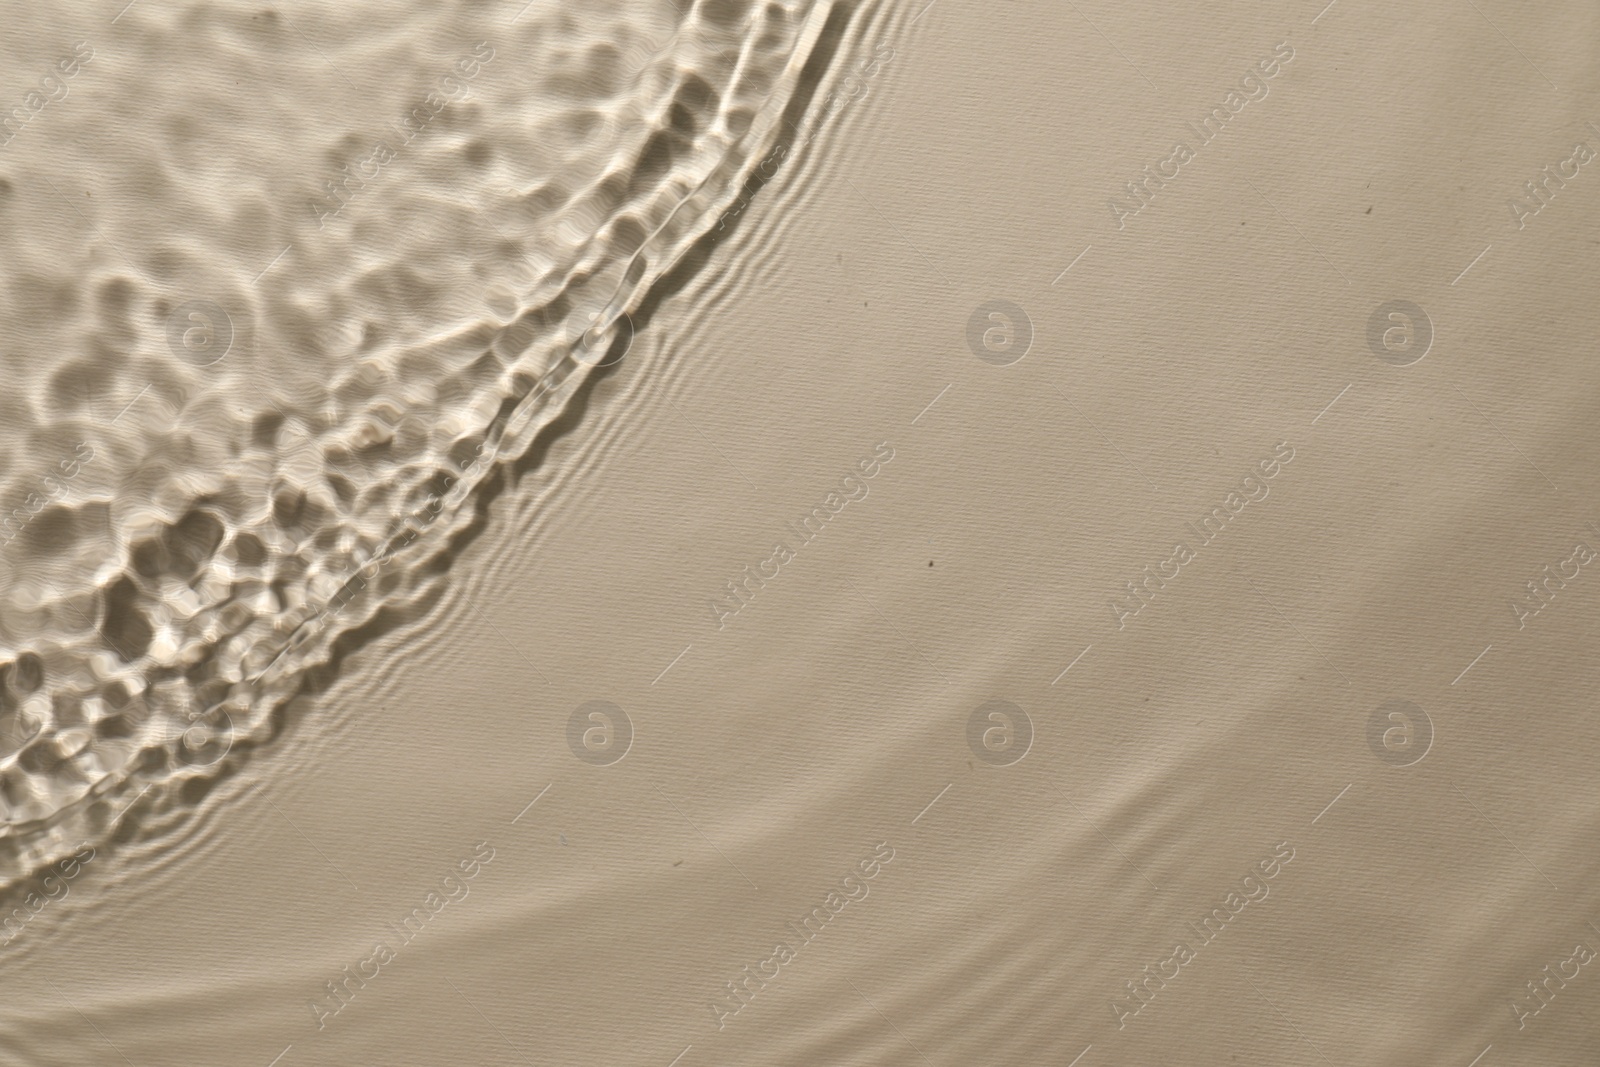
[(255, 392)]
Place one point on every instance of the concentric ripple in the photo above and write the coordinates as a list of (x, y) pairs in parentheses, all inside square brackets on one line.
[(252, 396)]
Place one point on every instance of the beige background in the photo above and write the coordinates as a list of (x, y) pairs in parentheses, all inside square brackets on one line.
[(831, 712)]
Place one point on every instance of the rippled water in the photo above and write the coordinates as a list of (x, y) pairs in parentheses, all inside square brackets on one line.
[(267, 341)]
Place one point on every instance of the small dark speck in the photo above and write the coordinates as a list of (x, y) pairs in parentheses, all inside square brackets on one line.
[(1369, 211), (677, 863), (930, 563)]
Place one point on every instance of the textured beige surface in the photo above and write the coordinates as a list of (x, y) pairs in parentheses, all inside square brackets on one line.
[(1287, 601)]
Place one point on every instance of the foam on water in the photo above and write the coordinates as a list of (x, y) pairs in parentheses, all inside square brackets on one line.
[(252, 391)]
